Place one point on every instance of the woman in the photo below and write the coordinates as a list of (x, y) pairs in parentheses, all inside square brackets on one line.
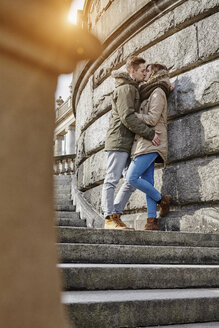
[(153, 111)]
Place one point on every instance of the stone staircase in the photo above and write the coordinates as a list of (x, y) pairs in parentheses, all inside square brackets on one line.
[(115, 278), (66, 214)]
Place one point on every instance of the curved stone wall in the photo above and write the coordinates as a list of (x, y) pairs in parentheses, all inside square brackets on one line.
[(184, 36)]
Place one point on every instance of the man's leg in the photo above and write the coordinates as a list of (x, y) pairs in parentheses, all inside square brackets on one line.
[(116, 163), (124, 192)]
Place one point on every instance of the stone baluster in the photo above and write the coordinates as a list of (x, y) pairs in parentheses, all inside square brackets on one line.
[(70, 140)]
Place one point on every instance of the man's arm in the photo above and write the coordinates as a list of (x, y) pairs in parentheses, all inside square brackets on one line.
[(126, 111)]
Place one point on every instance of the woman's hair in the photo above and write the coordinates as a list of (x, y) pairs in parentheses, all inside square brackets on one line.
[(156, 67), (134, 62)]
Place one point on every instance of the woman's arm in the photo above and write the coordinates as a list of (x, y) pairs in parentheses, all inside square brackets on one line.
[(156, 107)]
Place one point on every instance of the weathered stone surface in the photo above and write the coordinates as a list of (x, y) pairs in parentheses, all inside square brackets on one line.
[(104, 89), (178, 16), (93, 137), (194, 135), (207, 30), (188, 182), (106, 67), (95, 134), (194, 181), (189, 9), (190, 136), (136, 201), (192, 91), (84, 107), (102, 23), (177, 51), (149, 34), (126, 237), (203, 220), (92, 171)]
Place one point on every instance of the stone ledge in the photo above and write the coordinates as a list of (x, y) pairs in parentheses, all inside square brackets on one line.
[(194, 181)]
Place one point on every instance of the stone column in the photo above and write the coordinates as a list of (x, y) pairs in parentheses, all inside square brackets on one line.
[(36, 45), (70, 140), (59, 145)]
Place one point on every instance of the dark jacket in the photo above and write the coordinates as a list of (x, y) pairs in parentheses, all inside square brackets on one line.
[(124, 124)]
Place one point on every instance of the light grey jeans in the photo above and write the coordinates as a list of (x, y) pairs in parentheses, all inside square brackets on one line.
[(117, 164)]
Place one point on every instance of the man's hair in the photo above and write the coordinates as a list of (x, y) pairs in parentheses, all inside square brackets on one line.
[(134, 62)]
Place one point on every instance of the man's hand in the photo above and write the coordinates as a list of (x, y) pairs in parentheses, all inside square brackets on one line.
[(156, 140)]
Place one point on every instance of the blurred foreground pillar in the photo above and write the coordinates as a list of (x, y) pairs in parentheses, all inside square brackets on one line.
[(36, 45)]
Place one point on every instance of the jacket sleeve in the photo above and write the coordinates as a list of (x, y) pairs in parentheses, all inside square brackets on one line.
[(126, 110), (156, 107)]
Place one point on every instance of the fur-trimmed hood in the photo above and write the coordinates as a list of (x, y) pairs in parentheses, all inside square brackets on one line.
[(122, 78), (158, 80)]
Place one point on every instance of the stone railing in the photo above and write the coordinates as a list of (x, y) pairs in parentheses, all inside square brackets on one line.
[(64, 164), (65, 108)]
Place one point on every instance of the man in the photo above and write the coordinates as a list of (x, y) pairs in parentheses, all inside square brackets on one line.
[(120, 136)]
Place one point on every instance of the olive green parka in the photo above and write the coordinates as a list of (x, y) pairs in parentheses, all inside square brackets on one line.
[(124, 124)]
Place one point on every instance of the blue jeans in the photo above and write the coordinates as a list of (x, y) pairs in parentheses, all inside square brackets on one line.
[(141, 176)]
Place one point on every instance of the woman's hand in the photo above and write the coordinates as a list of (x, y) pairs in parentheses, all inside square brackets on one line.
[(171, 87), (156, 140)]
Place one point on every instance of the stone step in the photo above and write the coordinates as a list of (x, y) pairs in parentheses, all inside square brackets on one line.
[(127, 237), (73, 222), (141, 308), (63, 196), (62, 178), (190, 325), (138, 276), (108, 253), (62, 186), (65, 207), (64, 202), (65, 214)]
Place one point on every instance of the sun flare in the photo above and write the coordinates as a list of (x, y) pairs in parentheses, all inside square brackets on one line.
[(75, 6)]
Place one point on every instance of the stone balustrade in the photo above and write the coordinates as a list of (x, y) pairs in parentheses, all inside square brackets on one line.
[(64, 110), (64, 164)]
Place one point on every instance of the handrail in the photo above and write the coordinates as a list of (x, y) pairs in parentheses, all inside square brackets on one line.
[(87, 212)]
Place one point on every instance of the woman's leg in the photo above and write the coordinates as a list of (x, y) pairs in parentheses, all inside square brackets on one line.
[(148, 175), (135, 172)]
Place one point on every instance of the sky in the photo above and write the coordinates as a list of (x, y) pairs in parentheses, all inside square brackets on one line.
[(65, 79)]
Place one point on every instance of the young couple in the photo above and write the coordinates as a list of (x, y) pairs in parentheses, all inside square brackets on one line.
[(138, 127)]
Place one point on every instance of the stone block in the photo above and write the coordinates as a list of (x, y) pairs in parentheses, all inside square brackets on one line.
[(194, 135), (200, 220), (176, 51), (207, 31), (108, 65), (84, 107), (192, 8), (95, 134), (136, 201), (105, 25), (103, 90), (189, 182), (195, 89), (92, 171), (149, 34)]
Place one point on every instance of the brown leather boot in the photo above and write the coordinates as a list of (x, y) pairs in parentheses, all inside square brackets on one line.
[(114, 222), (165, 205), (151, 224)]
